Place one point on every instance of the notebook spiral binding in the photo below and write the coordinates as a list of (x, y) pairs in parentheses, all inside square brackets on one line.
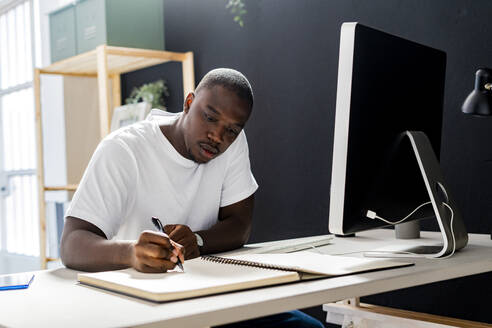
[(218, 259)]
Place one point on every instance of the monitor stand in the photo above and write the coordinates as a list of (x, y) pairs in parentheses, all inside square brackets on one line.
[(438, 194), (408, 230)]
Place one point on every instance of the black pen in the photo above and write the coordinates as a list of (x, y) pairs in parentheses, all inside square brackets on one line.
[(157, 223)]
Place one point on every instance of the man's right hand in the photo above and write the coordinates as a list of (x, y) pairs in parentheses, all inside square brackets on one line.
[(154, 252)]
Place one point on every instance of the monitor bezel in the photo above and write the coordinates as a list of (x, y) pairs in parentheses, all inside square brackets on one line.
[(342, 122)]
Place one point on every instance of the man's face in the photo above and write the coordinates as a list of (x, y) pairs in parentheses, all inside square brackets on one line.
[(213, 118)]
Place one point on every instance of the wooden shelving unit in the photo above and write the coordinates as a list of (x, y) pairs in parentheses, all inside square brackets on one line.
[(104, 63)]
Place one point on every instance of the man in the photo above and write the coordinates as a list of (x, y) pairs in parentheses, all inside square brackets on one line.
[(189, 169)]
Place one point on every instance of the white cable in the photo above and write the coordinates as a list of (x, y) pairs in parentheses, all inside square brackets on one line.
[(372, 215), (452, 232), (317, 250), (396, 252), (391, 252)]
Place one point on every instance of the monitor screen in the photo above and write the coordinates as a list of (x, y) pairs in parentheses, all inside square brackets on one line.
[(386, 85)]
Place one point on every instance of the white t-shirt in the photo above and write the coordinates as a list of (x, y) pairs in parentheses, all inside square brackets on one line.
[(135, 173)]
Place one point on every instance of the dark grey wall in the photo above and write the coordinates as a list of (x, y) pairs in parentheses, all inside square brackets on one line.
[(289, 51)]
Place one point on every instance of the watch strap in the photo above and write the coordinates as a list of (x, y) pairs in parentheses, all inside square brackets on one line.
[(199, 240)]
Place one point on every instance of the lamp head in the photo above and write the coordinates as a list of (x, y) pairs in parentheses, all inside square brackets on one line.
[(479, 101)]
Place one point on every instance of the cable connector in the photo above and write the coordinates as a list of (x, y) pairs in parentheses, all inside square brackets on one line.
[(372, 215)]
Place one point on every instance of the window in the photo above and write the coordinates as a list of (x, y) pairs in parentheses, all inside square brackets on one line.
[(19, 217)]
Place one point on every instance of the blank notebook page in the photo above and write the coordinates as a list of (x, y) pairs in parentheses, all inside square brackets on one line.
[(200, 278)]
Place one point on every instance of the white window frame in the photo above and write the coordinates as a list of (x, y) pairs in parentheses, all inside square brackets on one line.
[(6, 6)]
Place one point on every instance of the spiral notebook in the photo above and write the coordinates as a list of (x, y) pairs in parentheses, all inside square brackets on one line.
[(213, 274)]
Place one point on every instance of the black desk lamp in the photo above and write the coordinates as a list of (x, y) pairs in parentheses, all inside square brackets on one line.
[(479, 101)]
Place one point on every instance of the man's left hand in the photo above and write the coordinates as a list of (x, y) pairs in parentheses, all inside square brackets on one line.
[(183, 235)]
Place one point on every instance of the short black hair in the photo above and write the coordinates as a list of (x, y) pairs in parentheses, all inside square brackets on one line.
[(230, 79)]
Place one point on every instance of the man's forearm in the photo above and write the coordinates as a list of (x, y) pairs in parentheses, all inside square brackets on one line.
[(232, 230), (86, 251), (223, 236)]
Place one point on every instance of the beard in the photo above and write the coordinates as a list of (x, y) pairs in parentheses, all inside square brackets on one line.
[(193, 158)]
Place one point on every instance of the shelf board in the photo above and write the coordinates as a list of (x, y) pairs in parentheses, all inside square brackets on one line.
[(119, 60), (71, 187)]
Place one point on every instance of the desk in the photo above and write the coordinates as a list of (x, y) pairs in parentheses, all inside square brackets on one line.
[(55, 299)]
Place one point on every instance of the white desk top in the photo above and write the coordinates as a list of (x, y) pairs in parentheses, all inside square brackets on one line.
[(55, 299)]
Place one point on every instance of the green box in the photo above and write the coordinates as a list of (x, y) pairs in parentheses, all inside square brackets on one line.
[(86, 24), (62, 33), (124, 23)]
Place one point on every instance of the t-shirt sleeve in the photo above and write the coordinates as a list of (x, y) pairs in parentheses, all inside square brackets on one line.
[(239, 182), (105, 191)]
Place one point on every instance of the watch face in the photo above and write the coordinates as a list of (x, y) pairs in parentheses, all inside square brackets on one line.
[(199, 240)]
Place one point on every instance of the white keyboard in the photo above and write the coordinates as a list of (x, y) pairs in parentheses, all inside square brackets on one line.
[(284, 246)]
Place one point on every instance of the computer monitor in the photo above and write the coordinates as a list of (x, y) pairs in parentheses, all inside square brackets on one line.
[(387, 133)]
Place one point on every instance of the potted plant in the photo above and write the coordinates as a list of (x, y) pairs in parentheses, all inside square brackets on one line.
[(153, 93), (138, 105)]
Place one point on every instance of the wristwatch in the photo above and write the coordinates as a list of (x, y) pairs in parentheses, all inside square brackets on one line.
[(199, 240)]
